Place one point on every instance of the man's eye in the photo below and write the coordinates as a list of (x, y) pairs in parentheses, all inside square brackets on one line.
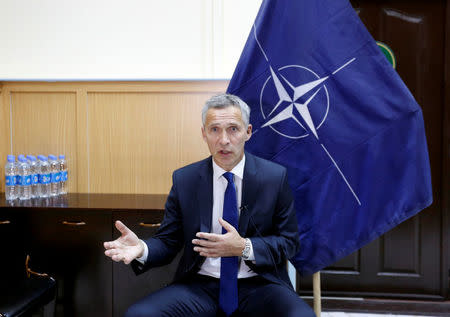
[(214, 129)]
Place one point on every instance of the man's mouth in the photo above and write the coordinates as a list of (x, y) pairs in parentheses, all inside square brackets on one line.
[(223, 152)]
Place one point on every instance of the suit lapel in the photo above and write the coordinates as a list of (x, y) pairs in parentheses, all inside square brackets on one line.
[(250, 186), (205, 195)]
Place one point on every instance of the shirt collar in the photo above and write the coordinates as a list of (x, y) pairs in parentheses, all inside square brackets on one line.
[(238, 170)]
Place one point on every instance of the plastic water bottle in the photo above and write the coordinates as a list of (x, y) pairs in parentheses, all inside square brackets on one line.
[(44, 176), (34, 169), (19, 177), (64, 174), (55, 175), (25, 178), (10, 178)]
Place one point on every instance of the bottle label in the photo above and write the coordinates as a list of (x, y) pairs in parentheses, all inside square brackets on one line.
[(63, 176), (26, 180), (56, 177), (17, 180), (10, 180), (44, 179), (34, 179)]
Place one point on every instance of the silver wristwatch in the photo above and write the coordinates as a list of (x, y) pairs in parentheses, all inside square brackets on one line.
[(246, 251)]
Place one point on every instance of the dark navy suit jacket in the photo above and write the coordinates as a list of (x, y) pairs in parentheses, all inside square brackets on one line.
[(267, 217)]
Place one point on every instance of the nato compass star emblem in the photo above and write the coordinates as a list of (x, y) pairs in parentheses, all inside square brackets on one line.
[(296, 87)]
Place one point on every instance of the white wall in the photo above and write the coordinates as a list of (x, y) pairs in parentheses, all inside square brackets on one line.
[(122, 40)]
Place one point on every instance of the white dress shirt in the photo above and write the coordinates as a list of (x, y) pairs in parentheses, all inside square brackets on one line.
[(211, 266)]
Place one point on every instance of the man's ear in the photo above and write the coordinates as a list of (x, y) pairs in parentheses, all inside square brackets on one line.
[(204, 134), (249, 131)]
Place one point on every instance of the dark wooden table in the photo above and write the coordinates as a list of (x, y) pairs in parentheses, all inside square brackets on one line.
[(64, 236)]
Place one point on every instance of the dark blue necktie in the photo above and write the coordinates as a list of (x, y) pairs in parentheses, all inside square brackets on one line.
[(228, 299)]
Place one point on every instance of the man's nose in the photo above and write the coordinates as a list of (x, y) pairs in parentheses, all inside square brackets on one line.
[(224, 139)]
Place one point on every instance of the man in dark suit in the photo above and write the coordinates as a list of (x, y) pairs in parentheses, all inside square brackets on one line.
[(234, 216)]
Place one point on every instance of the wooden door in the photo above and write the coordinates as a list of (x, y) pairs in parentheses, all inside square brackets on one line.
[(409, 261)]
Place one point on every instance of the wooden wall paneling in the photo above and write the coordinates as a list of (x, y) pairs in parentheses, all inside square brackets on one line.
[(43, 123), (109, 126), (136, 140), (140, 132), (4, 132), (82, 171), (191, 86)]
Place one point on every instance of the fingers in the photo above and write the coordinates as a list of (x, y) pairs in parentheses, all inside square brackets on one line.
[(114, 255), (111, 252), (121, 227), (111, 244), (228, 227), (207, 245), (203, 243), (120, 258), (117, 256), (219, 245), (209, 236), (207, 252), (126, 261)]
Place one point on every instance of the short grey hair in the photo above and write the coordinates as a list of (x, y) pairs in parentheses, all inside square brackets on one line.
[(226, 100)]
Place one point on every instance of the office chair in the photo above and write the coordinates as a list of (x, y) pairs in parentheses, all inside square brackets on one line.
[(23, 294)]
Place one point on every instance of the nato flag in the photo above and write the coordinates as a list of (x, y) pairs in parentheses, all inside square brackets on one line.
[(326, 104)]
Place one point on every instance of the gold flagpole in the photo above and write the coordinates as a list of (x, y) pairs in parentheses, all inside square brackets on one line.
[(316, 294)]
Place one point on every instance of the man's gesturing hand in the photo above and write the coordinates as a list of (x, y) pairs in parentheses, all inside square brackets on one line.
[(219, 245), (126, 248)]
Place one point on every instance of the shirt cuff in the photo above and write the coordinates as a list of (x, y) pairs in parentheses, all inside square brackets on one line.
[(144, 256)]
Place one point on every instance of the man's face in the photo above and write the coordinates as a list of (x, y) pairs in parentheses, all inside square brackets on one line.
[(225, 133)]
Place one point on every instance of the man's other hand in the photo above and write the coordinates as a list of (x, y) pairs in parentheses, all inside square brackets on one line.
[(219, 245), (126, 248)]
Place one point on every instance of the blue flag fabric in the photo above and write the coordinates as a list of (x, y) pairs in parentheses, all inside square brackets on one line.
[(326, 104)]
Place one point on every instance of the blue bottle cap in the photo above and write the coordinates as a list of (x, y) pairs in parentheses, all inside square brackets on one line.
[(11, 158), (51, 157), (62, 157), (22, 158), (31, 158), (42, 157)]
